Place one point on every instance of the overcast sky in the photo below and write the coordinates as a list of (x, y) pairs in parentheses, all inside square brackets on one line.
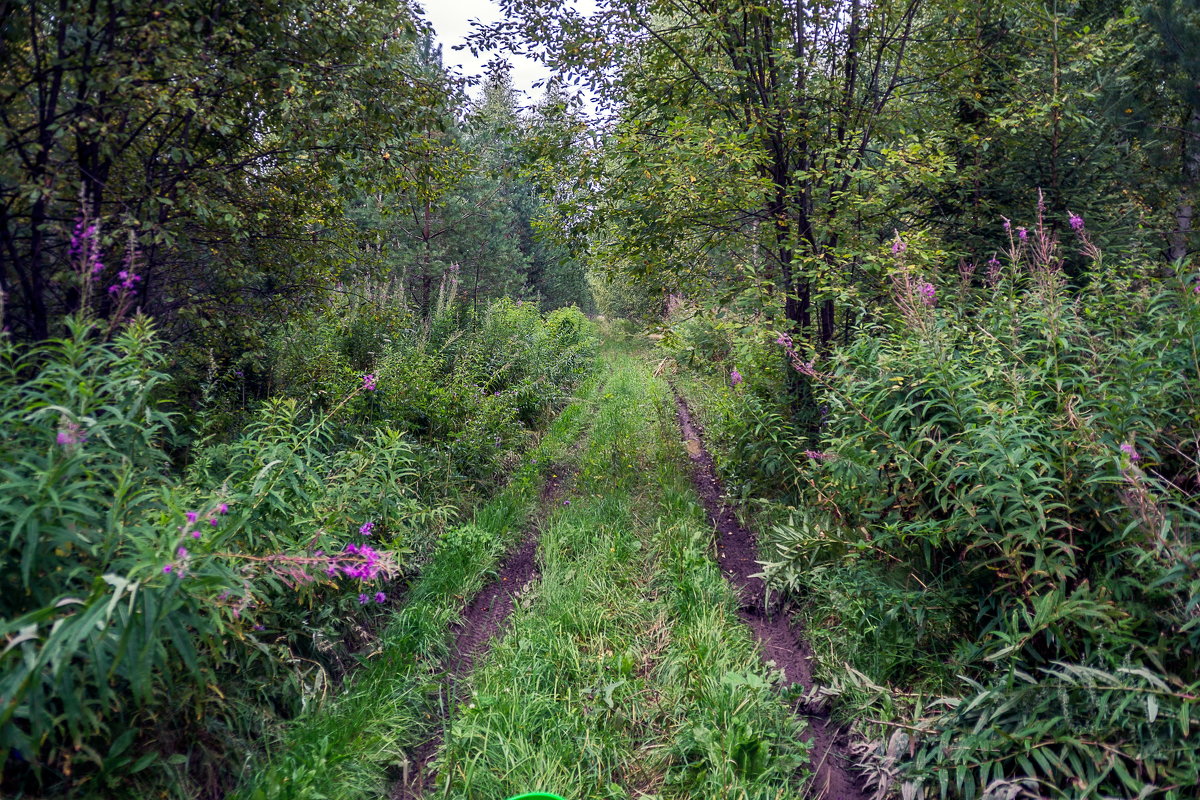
[(452, 21)]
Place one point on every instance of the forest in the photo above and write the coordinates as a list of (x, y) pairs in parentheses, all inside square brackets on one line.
[(781, 399)]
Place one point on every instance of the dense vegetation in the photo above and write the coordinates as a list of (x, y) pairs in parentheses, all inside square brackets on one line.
[(289, 310)]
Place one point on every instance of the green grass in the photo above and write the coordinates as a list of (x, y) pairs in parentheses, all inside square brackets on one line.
[(626, 673), (349, 745)]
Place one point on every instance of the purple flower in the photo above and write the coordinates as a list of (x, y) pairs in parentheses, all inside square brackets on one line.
[(1076, 222), (259, 628), (366, 529), (898, 246), (181, 553), (566, 502), (195, 534), (1128, 450), (785, 341), (362, 599), (369, 382), (192, 516), (380, 597), (1007, 224), (167, 568), (70, 434), (1022, 234), (223, 509), (928, 293), (735, 377), (352, 548), (212, 521)]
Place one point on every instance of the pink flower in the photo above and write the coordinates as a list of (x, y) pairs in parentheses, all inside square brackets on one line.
[(70, 434), (928, 293), (181, 553), (898, 246), (366, 528), (362, 599), (192, 516), (380, 597), (212, 521), (167, 568), (1128, 450), (1076, 222), (735, 377), (223, 509), (1022, 234), (369, 382), (195, 534)]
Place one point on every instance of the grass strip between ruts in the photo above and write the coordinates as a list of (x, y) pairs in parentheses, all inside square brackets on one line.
[(353, 745), (625, 671)]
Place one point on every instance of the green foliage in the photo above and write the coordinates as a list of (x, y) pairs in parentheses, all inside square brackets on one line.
[(1001, 512), (226, 143), (131, 592)]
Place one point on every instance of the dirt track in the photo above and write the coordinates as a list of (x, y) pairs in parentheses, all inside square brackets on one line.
[(781, 641)]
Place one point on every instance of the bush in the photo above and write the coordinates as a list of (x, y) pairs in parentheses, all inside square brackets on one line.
[(998, 507), (241, 587), (1031, 450)]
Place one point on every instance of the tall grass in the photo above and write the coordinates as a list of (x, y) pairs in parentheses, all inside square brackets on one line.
[(157, 619), (998, 520)]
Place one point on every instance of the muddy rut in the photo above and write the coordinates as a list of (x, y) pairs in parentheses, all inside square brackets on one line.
[(481, 624), (781, 641)]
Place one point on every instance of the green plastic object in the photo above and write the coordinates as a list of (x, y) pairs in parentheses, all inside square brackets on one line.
[(537, 796)]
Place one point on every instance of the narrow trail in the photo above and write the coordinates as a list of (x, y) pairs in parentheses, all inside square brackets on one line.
[(608, 657), (481, 624), (781, 642)]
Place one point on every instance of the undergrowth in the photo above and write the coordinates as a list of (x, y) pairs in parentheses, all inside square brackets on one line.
[(158, 618), (991, 531)]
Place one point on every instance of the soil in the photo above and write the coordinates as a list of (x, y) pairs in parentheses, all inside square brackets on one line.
[(782, 642), (481, 624)]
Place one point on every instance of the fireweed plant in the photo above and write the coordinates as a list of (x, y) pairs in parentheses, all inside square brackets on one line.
[(992, 537), (157, 620)]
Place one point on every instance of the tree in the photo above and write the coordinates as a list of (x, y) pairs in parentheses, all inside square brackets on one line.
[(223, 135), (742, 137)]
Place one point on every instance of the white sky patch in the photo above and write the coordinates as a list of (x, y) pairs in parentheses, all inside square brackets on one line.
[(451, 20)]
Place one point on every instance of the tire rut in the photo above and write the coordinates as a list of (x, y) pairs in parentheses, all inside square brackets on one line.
[(781, 641), (482, 623)]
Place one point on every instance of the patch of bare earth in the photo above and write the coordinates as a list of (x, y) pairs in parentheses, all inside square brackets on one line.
[(482, 623), (781, 640)]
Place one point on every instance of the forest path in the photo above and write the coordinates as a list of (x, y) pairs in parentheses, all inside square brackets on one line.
[(630, 668)]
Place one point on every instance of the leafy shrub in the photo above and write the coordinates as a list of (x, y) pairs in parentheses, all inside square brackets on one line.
[(241, 588), (129, 592), (1032, 449), (999, 507)]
